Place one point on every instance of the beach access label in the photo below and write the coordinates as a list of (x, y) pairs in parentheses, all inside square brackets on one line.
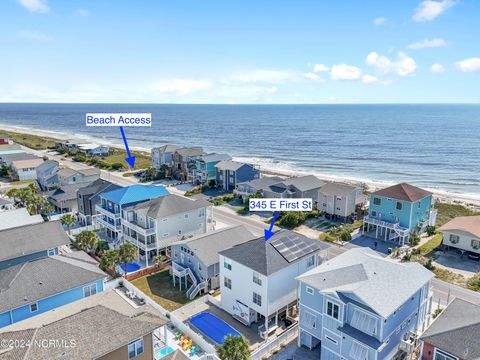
[(118, 119), (303, 204)]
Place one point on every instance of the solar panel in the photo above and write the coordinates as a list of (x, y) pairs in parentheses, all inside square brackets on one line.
[(293, 247)]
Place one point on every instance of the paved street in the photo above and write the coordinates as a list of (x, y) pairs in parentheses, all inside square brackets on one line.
[(441, 290)]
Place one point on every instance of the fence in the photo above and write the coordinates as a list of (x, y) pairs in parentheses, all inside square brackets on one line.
[(197, 338), (147, 271), (76, 231), (140, 294), (276, 343)]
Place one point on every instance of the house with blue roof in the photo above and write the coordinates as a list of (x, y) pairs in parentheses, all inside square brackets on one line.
[(37, 274), (360, 305), (112, 203), (397, 212)]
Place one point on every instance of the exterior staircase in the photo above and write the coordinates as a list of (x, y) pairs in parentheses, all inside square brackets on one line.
[(197, 284)]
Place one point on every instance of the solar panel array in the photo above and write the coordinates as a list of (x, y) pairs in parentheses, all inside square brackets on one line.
[(293, 247)]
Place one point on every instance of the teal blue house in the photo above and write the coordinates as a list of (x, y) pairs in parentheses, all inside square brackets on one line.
[(205, 170), (35, 276), (398, 211)]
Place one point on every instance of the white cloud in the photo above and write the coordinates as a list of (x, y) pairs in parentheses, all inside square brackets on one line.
[(312, 76), (34, 35), (437, 68), (469, 65), (403, 66), (379, 21), (369, 79), (181, 86), (428, 43), (267, 76), (320, 68), (428, 10), (345, 72), (39, 6), (82, 12)]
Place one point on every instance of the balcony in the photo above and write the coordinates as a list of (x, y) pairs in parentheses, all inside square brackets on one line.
[(139, 229), (107, 224), (104, 211), (141, 245), (394, 226)]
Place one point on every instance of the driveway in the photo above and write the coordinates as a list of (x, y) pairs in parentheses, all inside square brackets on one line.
[(454, 261), (374, 244)]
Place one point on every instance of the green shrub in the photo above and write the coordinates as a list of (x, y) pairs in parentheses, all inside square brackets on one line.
[(474, 283), (345, 235), (429, 265), (431, 230), (437, 312)]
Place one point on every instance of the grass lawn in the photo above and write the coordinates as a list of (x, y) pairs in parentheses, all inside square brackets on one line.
[(21, 182), (31, 141), (447, 212), (431, 244), (142, 161), (160, 288)]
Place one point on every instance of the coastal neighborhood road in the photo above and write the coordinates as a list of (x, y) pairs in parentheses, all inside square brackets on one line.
[(442, 291)]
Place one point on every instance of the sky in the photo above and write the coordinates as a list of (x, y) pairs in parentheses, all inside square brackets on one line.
[(236, 52)]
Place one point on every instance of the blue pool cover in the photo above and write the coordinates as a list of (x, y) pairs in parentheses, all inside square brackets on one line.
[(215, 328), (131, 267)]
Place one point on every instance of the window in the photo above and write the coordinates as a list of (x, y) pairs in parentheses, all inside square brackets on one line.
[(135, 348), (339, 198), (309, 290), (364, 322), (51, 252), (475, 244), (311, 261), (89, 290), (227, 282), (179, 232), (377, 201), (227, 264), (374, 213), (454, 239), (185, 216), (441, 355), (165, 235), (358, 352), (256, 278), (33, 307), (332, 310), (201, 212), (399, 205), (199, 267), (257, 299)]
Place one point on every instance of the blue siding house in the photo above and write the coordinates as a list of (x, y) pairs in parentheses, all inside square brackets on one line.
[(35, 278), (230, 173), (362, 306), (398, 211)]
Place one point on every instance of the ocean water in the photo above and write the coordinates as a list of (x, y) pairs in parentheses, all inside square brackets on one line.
[(433, 146)]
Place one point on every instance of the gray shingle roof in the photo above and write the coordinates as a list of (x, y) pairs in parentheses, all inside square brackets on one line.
[(169, 148), (262, 183), (29, 239), (334, 188), (207, 246), (190, 151), (47, 164), (65, 192), (38, 279), (456, 330), (18, 217), (97, 186), (169, 205), (380, 283), (303, 183), (230, 165), (98, 329), (262, 257)]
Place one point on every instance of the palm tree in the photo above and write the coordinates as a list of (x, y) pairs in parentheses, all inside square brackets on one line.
[(86, 240), (110, 259), (234, 348), (68, 220), (127, 253), (13, 193)]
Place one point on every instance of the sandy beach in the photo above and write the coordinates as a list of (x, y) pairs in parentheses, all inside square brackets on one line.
[(469, 200)]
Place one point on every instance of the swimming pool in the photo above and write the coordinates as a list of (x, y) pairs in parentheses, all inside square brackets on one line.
[(213, 327), (164, 352), (130, 267)]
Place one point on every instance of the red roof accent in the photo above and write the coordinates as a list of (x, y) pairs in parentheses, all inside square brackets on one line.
[(403, 191)]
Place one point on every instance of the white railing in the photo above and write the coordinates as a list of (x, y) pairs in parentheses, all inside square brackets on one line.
[(268, 347), (78, 230), (138, 229), (191, 294), (104, 211), (394, 226), (139, 243), (105, 223)]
